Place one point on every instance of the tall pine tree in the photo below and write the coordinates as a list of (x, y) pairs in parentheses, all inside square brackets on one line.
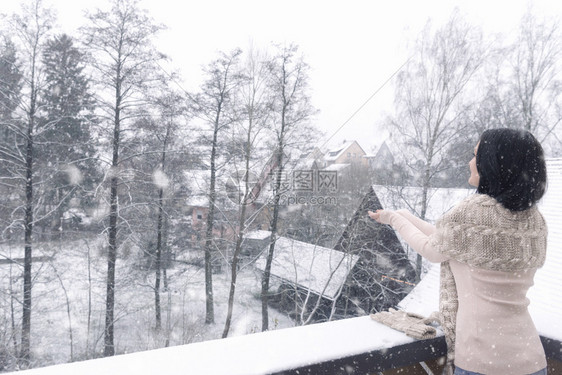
[(31, 28), (65, 148), (10, 95)]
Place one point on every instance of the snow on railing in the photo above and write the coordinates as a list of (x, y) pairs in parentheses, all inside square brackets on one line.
[(349, 346)]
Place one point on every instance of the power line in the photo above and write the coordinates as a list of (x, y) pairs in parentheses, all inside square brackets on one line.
[(344, 123), (368, 100), (173, 79)]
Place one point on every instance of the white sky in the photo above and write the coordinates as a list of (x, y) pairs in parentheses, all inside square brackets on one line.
[(352, 46)]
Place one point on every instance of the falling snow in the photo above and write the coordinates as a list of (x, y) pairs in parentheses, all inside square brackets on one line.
[(160, 179)]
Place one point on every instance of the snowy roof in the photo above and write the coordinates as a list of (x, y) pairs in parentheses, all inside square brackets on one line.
[(258, 235), (337, 151), (545, 296), (306, 160), (336, 167), (198, 182), (198, 185), (315, 268), (382, 148)]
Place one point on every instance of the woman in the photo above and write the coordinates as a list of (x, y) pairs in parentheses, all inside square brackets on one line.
[(489, 246)]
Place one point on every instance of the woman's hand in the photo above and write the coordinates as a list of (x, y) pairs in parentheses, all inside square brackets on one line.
[(380, 216)]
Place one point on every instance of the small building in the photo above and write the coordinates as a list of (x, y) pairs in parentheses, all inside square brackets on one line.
[(382, 159), (349, 152), (254, 243), (197, 202), (195, 206), (311, 159), (310, 278)]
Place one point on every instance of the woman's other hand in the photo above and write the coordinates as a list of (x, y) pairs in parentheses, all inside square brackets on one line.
[(380, 216)]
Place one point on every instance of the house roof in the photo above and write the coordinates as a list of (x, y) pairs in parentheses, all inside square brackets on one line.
[(371, 241), (198, 182), (335, 152), (380, 150), (315, 268), (306, 160), (258, 235), (545, 297), (336, 167)]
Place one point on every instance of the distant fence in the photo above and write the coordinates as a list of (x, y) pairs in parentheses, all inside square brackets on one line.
[(43, 258)]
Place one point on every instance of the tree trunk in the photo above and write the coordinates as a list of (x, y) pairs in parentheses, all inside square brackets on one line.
[(13, 312), (273, 229), (234, 270), (166, 252), (241, 228), (158, 262), (210, 311), (89, 320), (159, 240), (28, 228), (267, 275), (109, 348)]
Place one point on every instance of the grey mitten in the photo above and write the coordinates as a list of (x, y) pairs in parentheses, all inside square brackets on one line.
[(413, 325)]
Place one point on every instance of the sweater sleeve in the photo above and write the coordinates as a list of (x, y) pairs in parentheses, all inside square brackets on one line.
[(418, 240), (422, 225)]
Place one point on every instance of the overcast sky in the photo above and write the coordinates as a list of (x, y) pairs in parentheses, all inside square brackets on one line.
[(352, 46)]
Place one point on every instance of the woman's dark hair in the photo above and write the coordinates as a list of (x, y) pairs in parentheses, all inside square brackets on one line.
[(511, 167)]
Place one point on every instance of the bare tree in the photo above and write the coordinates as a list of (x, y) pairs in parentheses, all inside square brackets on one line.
[(531, 88), (124, 59), (169, 116), (538, 50), (158, 159), (291, 111), (312, 303), (255, 99), (31, 29), (520, 86), (215, 106), (429, 99)]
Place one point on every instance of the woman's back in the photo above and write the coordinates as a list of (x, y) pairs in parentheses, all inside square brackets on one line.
[(495, 333)]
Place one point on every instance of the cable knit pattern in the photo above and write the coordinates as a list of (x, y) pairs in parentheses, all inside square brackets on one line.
[(448, 307), (480, 232)]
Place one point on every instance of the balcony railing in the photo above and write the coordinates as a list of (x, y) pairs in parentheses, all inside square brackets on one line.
[(348, 347)]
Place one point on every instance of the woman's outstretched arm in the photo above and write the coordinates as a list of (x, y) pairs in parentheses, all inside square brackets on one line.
[(424, 226), (416, 238)]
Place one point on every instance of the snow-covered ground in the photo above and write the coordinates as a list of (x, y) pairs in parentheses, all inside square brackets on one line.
[(67, 327)]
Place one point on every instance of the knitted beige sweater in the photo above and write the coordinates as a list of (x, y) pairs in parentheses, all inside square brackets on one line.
[(489, 256)]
